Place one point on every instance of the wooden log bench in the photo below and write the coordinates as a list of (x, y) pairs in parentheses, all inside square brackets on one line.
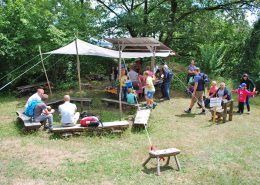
[(164, 153), (142, 117), (225, 111), (116, 102), (58, 102), (28, 124), (32, 87), (115, 126)]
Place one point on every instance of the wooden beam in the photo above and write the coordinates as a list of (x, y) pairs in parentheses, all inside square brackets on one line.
[(45, 70), (79, 78)]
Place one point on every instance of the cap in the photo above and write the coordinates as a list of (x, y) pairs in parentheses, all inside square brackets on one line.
[(242, 85)]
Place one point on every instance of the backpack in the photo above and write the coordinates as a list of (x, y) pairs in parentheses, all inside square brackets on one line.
[(90, 121), (205, 78), (29, 111)]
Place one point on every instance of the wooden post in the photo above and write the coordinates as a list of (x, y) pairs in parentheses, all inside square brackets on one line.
[(214, 114), (120, 85), (79, 79), (45, 70), (153, 60)]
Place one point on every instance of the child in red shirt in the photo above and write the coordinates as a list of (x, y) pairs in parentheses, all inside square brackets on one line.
[(242, 94)]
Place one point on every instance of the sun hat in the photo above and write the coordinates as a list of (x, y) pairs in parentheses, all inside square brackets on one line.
[(242, 85)]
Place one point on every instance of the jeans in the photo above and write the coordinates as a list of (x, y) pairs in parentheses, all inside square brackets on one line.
[(43, 118), (247, 103), (167, 89), (163, 90)]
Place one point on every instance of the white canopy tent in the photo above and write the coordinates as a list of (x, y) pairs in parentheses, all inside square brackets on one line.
[(85, 48)]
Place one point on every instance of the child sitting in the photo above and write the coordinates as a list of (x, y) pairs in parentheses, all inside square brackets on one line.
[(130, 97), (212, 91), (242, 94)]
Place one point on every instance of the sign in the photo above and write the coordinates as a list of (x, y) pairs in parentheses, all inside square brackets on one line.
[(215, 102)]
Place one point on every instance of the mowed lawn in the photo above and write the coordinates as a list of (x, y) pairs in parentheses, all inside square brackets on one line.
[(210, 154)]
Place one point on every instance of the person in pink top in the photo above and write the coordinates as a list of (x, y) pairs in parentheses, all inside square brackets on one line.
[(242, 94), (212, 91)]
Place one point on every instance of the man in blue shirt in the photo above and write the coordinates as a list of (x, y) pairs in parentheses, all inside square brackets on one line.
[(197, 94)]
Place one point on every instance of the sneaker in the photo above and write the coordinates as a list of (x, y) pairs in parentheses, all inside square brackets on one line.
[(187, 111), (154, 105), (248, 112)]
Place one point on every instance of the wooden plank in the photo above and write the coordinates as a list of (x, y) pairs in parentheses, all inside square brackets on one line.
[(78, 128), (116, 101), (28, 124), (165, 152), (142, 117)]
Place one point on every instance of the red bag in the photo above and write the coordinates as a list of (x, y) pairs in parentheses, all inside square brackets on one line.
[(89, 121)]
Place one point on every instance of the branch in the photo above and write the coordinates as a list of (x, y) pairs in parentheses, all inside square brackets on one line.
[(111, 10), (212, 8), (154, 7), (123, 1)]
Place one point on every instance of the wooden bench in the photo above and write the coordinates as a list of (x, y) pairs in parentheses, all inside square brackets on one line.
[(227, 110), (142, 117), (111, 101), (32, 87), (112, 126), (163, 153), (61, 101), (27, 122)]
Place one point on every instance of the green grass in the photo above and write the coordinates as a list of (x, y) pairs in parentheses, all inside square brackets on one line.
[(210, 154)]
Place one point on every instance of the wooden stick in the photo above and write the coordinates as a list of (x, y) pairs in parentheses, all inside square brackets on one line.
[(45, 70), (120, 85), (78, 68), (214, 114)]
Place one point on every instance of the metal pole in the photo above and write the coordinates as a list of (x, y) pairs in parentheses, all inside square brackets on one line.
[(120, 85), (78, 68), (48, 82)]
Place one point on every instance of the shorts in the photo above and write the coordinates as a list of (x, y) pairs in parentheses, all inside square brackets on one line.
[(150, 94)]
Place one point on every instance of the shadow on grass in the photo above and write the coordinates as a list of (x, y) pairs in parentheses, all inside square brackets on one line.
[(21, 130), (184, 115), (154, 169)]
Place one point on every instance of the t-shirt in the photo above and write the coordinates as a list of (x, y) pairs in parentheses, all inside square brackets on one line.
[(191, 67), (33, 97), (149, 84), (243, 93), (67, 111), (133, 76), (213, 90), (198, 79), (130, 98), (123, 80), (38, 109), (220, 93)]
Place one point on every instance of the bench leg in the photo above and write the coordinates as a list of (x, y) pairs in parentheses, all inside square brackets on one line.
[(230, 116), (168, 161), (158, 165), (146, 161), (177, 163), (224, 119)]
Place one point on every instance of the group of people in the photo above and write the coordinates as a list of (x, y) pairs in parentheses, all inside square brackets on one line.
[(133, 83), (246, 90), (44, 114)]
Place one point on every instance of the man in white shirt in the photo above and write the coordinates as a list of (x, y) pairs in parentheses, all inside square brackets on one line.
[(36, 96), (69, 116)]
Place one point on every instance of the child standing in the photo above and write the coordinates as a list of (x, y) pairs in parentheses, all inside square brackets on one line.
[(242, 94)]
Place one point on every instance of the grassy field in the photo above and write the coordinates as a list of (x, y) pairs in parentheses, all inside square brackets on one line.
[(210, 154)]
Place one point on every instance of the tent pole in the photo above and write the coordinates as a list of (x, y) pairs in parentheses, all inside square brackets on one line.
[(48, 82), (78, 68), (120, 85)]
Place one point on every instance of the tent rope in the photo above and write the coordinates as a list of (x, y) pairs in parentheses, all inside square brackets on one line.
[(23, 73), (19, 67)]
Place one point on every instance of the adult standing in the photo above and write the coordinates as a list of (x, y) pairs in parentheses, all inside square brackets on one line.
[(167, 78), (197, 94), (69, 116), (133, 76), (250, 87), (191, 71), (123, 79)]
